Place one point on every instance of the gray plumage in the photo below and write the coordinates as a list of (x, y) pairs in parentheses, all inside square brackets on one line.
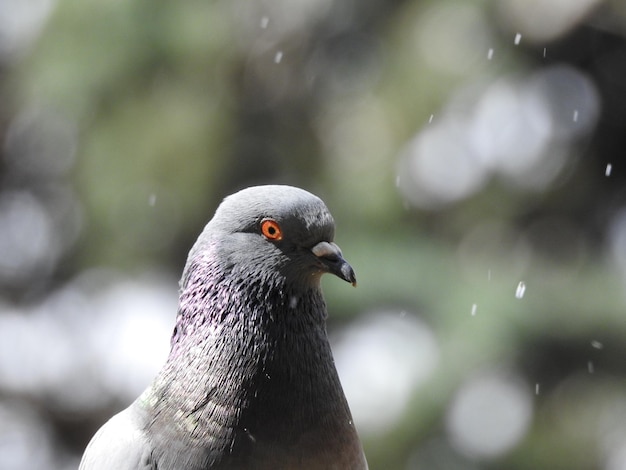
[(250, 381)]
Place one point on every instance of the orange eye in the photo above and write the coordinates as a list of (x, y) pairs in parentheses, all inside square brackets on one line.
[(271, 230)]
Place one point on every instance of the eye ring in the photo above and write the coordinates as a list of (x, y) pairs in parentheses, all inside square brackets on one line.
[(271, 230)]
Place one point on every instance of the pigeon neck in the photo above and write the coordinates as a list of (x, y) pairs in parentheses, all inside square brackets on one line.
[(250, 360)]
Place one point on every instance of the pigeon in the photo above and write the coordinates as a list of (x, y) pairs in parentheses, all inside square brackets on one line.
[(250, 381)]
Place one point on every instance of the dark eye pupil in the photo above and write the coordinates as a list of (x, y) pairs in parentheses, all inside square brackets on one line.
[(271, 230)]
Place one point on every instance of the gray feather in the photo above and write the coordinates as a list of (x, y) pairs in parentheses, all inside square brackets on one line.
[(120, 444)]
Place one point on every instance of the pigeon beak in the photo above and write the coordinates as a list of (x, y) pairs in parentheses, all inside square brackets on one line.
[(331, 258)]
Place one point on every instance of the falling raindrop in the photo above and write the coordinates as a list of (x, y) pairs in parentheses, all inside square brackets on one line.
[(278, 57), (152, 200), (575, 116), (518, 38), (536, 389), (474, 308), (490, 54), (249, 434), (521, 290), (265, 21), (597, 344), (608, 170), (590, 367), (544, 52), (430, 119)]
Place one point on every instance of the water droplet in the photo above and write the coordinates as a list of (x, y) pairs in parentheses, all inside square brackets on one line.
[(152, 200), (278, 57), (265, 21), (521, 290), (518, 38), (489, 275), (590, 367), (575, 116), (608, 170), (430, 119), (536, 389), (490, 54), (545, 49), (597, 344), (293, 301), (249, 434), (474, 308)]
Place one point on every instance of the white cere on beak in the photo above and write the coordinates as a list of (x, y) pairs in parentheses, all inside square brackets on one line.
[(326, 249)]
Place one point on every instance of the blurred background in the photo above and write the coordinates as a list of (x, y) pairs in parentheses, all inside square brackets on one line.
[(472, 153)]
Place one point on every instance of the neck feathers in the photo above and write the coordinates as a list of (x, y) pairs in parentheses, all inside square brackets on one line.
[(253, 352)]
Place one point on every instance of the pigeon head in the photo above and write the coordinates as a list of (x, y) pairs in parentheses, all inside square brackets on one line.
[(273, 231)]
